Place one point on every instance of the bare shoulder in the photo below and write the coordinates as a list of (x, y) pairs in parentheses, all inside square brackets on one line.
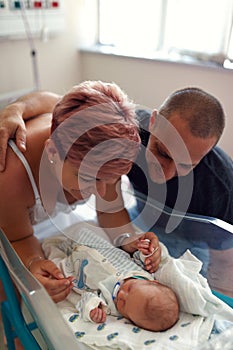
[(16, 197), (38, 125)]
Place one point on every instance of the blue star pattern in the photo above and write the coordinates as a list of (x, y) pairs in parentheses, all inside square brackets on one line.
[(112, 336), (79, 334), (73, 317), (101, 326)]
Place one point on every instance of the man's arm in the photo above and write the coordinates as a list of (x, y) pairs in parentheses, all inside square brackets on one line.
[(12, 118)]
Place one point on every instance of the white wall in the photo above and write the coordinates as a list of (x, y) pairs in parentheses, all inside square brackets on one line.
[(58, 60), (149, 82)]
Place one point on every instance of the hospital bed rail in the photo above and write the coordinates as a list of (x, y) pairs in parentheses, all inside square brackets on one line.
[(204, 234), (46, 316)]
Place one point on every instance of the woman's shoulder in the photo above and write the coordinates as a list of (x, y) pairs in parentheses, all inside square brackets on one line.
[(38, 127), (13, 180), (16, 198), (38, 131)]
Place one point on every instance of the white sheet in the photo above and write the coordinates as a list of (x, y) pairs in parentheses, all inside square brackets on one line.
[(186, 334), (119, 333)]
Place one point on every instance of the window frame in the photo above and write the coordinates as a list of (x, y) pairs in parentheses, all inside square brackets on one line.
[(186, 56)]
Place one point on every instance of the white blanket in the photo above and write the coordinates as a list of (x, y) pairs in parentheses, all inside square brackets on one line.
[(119, 333), (192, 289), (193, 327)]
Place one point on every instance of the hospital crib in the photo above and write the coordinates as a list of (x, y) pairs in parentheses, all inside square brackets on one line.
[(210, 239)]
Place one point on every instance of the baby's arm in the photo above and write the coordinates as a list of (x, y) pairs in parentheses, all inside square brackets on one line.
[(98, 315), (92, 308)]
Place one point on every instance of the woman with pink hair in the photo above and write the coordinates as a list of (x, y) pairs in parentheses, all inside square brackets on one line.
[(88, 142)]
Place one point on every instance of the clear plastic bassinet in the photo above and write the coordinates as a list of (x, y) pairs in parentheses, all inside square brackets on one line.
[(210, 239)]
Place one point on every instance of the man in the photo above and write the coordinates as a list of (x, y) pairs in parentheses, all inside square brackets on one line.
[(203, 184), (179, 168), (199, 119)]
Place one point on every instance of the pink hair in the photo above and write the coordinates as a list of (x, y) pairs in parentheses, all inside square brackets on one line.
[(100, 114)]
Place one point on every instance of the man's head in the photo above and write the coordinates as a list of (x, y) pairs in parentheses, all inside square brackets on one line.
[(148, 304), (184, 129)]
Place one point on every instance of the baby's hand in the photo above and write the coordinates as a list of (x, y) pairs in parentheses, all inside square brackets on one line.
[(98, 315), (145, 247), (148, 245)]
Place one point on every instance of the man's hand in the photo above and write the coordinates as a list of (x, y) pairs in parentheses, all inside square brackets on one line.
[(147, 244), (12, 118), (11, 126)]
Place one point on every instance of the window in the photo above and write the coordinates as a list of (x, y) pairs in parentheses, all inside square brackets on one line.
[(195, 28)]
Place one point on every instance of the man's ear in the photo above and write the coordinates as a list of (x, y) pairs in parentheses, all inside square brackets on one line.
[(153, 120), (51, 150)]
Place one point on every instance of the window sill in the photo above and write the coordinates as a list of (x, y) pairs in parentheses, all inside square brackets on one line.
[(156, 56)]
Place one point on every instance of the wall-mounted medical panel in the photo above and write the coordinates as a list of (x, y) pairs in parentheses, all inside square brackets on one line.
[(39, 18)]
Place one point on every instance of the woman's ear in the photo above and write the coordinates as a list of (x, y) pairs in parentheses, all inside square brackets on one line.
[(51, 151), (153, 120)]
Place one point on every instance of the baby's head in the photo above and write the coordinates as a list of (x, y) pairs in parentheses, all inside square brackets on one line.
[(148, 304)]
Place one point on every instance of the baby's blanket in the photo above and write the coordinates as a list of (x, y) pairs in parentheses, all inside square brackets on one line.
[(119, 333), (188, 332)]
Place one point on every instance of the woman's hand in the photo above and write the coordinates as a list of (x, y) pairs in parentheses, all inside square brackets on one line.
[(49, 275)]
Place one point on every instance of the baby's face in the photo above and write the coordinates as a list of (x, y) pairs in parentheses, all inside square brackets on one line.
[(132, 298)]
